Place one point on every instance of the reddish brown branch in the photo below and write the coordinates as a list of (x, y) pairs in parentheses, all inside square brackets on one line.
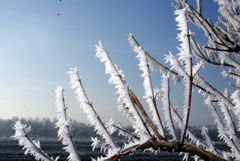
[(170, 147)]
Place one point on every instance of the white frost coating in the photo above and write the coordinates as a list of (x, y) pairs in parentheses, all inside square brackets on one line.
[(177, 66), (189, 134), (227, 10), (149, 96), (169, 58), (186, 104), (141, 54), (127, 147), (87, 107), (224, 58), (63, 125), (185, 59), (110, 126), (234, 74), (153, 63), (185, 156), (228, 122), (210, 90), (30, 146), (236, 100), (166, 106), (127, 135), (222, 2), (222, 134), (95, 143), (183, 37), (197, 67), (117, 79), (204, 25), (208, 140)]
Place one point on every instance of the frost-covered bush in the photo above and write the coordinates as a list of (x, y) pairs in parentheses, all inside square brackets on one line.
[(154, 131)]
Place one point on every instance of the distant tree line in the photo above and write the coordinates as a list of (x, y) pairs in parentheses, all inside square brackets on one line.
[(44, 128)]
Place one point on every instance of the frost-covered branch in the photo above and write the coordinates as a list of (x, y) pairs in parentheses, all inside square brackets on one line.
[(155, 63), (117, 79), (208, 140), (193, 139), (166, 102), (121, 131), (87, 106), (63, 125), (207, 56), (31, 147), (146, 66), (222, 132), (221, 34), (229, 121), (209, 90), (185, 58)]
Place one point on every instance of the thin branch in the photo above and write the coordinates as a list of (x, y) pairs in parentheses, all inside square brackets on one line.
[(191, 136), (153, 98), (88, 108), (217, 49), (189, 98), (204, 24), (166, 103), (145, 115), (117, 79), (185, 57), (208, 140), (198, 81), (199, 6), (232, 143), (144, 66), (30, 146), (165, 70), (142, 117), (170, 111), (63, 125), (199, 54), (39, 151), (126, 132)]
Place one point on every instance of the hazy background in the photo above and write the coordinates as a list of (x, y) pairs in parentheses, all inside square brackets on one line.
[(40, 40)]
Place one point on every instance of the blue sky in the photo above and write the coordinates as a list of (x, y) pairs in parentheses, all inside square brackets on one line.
[(37, 46)]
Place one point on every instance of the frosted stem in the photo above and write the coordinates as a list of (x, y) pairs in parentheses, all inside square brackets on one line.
[(165, 89), (189, 94), (185, 58), (63, 125), (144, 66), (88, 108), (117, 79), (30, 146)]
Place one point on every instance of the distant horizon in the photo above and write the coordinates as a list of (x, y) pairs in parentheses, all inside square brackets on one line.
[(52, 119)]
